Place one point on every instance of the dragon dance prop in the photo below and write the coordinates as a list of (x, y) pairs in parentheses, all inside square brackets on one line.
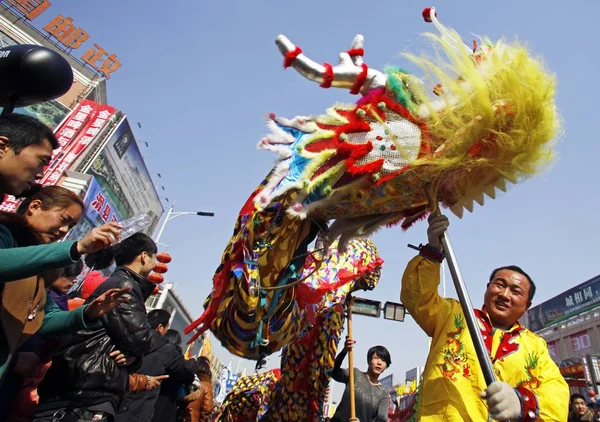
[(249, 397), (386, 160), (300, 391)]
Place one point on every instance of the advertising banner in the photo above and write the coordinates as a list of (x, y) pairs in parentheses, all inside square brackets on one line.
[(74, 135), (98, 210), (581, 341), (122, 173), (574, 301), (51, 113), (78, 131)]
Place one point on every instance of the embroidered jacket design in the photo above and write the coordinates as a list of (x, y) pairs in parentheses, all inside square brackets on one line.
[(455, 357), (530, 382)]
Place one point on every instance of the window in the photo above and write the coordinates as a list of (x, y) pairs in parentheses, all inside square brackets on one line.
[(152, 301), (5, 40)]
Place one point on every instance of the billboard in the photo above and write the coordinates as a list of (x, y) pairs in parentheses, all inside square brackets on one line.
[(98, 210), (574, 301), (74, 135), (387, 382), (122, 173), (51, 113)]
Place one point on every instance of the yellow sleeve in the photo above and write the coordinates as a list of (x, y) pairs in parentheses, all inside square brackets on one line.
[(551, 392), (420, 295)]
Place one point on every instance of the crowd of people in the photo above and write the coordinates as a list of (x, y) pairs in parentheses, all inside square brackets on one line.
[(110, 360), (106, 360)]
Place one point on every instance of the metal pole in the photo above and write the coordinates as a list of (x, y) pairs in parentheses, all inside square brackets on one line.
[(351, 364), (467, 308), (443, 269), (164, 223)]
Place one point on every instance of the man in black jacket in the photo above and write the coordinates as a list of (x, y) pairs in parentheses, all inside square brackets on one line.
[(84, 381), (163, 358)]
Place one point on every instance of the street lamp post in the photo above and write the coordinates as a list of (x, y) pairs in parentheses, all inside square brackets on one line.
[(171, 215)]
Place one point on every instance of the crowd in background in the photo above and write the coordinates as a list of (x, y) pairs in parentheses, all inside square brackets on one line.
[(106, 359)]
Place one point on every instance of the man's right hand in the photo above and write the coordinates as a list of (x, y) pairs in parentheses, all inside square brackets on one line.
[(121, 359), (99, 238), (349, 344), (154, 382), (438, 224)]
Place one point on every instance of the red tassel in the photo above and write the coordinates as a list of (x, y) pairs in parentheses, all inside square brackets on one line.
[(474, 46), (328, 77), (356, 52), (290, 56), (360, 80)]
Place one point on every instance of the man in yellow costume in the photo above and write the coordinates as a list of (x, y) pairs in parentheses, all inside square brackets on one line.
[(529, 385)]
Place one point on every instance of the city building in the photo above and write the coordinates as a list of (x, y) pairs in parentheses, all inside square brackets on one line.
[(570, 324), (181, 317)]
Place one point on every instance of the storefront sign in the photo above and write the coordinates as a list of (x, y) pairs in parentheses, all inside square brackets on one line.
[(570, 303)]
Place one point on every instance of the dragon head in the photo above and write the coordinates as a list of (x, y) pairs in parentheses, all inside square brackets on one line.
[(381, 160)]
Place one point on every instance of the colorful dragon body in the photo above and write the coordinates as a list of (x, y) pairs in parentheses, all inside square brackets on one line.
[(306, 362), (381, 161)]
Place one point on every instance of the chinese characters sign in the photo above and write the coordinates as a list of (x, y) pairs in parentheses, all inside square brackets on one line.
[(69, 35), (30, 8), (572, 302), (99, 209), (82, 126)]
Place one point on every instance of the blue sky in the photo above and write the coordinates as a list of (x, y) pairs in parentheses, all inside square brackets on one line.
[(201, 76)]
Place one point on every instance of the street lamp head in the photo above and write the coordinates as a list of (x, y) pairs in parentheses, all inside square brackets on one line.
[(394, 311), (206, 214)]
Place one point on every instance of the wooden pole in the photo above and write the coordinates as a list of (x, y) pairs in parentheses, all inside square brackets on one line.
[(351, 361)]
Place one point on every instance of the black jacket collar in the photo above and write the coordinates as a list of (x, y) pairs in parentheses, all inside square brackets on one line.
[(145, 285)]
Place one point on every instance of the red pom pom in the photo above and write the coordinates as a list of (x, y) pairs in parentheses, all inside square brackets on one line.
[(427, 14)]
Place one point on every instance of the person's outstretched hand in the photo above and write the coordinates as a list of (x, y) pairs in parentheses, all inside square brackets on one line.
[(99, 238), (106, 302)]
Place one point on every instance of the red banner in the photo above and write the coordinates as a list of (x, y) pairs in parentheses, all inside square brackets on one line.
[(89, 121), (74, 135)]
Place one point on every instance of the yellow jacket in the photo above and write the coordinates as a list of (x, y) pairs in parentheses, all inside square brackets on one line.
[(452, 379)]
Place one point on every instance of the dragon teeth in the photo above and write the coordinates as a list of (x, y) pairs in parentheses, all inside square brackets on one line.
[(457, 210), (490, 191), (479, 198), (501, 184), (468, 204)]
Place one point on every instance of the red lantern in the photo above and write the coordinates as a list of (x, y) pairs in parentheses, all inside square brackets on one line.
[(161, 268), (163, 257), (156, 278), (156, 291)]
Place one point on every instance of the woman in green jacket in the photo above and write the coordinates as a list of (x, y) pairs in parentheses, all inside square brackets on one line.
[(27, 250)]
